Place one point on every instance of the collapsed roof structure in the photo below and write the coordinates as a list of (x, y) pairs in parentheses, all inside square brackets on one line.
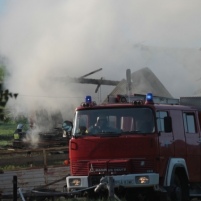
[(142, 82)]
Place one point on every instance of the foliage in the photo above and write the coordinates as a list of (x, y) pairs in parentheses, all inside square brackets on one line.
[(21, 119), (2, 73), (6, 134), (4, 95)]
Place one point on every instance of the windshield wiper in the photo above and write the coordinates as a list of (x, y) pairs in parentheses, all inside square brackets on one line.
[(109, 134), (100, 132), (103, 134), (131, 132)]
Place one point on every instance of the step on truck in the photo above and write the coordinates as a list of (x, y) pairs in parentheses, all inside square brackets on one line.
[(139, 147)]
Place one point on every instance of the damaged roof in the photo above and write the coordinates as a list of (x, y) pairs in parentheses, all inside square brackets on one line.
[(142, 82)]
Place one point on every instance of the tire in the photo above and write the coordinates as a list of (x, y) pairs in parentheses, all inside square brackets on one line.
[(178, 189)]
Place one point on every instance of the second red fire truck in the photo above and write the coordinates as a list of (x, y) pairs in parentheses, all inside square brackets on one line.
[(139, 147)]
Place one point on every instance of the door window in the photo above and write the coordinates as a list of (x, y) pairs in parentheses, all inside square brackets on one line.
[(189, 122), (160, 115)]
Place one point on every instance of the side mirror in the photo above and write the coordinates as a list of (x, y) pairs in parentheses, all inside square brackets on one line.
[(168, 124)]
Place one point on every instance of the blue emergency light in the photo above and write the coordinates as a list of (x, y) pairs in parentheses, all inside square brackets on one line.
[(149, 98), (88, 102), (88, 99)]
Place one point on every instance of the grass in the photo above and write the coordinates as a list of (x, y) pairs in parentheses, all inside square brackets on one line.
[(12, 167), (6, 133), (6, 142)]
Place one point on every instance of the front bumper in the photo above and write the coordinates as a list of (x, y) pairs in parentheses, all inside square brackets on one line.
[(127, 181)]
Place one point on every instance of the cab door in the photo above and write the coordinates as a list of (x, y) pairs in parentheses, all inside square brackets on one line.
[(193, 144), (166, 146)]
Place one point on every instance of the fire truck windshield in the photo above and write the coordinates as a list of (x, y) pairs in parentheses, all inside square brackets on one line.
[(114, 121)]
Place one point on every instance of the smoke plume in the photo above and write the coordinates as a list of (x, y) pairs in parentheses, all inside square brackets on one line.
[(43, 40)]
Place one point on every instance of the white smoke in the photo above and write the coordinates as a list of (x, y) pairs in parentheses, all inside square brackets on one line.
[(43, 39), (32, 138)]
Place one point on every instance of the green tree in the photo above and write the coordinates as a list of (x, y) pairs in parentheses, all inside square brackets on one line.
[(5, 94), (2, 73)]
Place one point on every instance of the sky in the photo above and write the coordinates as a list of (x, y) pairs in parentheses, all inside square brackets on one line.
[(2, 4), (44, 39)]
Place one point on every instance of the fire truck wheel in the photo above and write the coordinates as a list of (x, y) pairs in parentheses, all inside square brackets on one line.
[(178, 189)]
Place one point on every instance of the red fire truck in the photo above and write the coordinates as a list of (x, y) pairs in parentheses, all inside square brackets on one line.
[(150, 148)]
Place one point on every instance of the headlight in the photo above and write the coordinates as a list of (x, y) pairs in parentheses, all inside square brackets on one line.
[(142, 180), (75, 182)]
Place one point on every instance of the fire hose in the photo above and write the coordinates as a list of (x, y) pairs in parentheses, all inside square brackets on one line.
[(105, 183)]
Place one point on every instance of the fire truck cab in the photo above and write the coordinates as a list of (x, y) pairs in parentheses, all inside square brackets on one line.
[(150, 147)]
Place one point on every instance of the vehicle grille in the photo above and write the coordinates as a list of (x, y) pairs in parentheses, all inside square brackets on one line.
[(79, 168), (112, 167), (142, 165)]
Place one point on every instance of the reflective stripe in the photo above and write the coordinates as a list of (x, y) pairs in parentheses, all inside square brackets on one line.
[(16, 136)]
